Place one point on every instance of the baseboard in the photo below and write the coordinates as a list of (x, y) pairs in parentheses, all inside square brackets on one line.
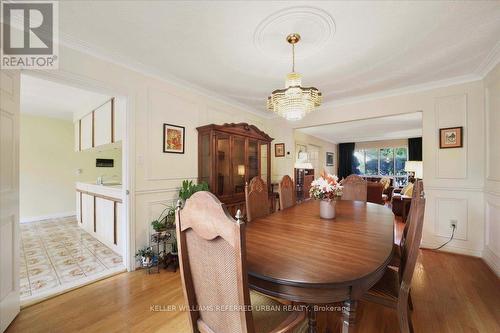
[(492, 260), (46, 217), (452, 249)]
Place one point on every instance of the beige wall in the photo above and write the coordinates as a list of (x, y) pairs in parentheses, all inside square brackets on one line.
[(324, 147), (48, 167), (491, 251)]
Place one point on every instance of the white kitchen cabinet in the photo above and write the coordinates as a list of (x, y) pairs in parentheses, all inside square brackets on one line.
[(88, 213), (77, 135), (118, 120), (78, 207), (104, 217), (103, 124), (118, 244), (87, 132)]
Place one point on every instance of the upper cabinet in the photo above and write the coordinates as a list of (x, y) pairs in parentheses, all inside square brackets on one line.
[(103, 124), (100, 127), (87, 132)]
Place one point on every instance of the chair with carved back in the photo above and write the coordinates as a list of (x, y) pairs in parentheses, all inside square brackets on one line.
[(257, 199), (213, 269), (393, 289), (286, 190), (355, 188)]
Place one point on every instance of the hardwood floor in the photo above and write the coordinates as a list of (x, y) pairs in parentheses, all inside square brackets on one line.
[(451, 293)]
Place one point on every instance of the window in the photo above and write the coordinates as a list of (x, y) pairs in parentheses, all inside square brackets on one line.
[(381, 162)]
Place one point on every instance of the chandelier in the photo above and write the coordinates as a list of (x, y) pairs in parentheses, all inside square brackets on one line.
[(295, 101)]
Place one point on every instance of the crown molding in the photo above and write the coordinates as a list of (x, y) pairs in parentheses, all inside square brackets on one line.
[(118, 59), (404, 91), (491, 60)]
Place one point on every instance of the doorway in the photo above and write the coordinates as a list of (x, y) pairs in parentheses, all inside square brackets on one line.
[(73, 171)]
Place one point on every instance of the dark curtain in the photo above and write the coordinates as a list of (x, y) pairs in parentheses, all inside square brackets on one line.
[(415, 149), (346, 154)]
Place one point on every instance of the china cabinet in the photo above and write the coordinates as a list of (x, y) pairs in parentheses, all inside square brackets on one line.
[(230, 155)]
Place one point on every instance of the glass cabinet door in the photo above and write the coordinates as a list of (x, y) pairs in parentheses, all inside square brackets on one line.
[(222, 166), (253, 159), (205, 158), (239, 168), (264, 161)]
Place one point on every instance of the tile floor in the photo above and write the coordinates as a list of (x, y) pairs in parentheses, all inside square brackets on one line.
[(57, 253)]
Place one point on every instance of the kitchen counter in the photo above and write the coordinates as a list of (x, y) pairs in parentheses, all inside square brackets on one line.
[(107, 191)]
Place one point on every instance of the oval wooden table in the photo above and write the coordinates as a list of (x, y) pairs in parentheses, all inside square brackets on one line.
[(295, 255)]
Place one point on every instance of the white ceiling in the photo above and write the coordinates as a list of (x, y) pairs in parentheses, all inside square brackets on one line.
[(50, 99), (238, 50), (384, 128)]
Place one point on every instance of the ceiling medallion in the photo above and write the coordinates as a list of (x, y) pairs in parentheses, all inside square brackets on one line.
[(295, 101)]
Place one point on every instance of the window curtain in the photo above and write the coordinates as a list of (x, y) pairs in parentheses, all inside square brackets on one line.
[(346, 154), (415, 149)]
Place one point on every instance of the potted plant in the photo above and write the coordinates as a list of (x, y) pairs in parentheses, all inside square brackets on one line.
[(146, 255), (166, 220), (326, 188), (188, 188)]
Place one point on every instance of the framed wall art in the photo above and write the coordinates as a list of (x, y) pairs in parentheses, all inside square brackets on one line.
[(173, 139), (279, 150), (451, 137)]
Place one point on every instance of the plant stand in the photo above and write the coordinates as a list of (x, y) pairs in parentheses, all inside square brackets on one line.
[(158, 240)]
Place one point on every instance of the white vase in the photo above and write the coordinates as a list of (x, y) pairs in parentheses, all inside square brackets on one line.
[(327, 209)]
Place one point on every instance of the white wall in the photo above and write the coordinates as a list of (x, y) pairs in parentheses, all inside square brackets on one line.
[(382, 144), (48, 165), (454, 178), (491, 253)]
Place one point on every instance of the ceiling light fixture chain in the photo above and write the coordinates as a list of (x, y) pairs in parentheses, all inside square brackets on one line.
[(295, 101)]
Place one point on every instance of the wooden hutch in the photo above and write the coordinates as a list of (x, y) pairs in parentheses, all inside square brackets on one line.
[(230, 155)]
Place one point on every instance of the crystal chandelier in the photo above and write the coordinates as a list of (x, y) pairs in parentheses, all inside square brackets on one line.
[(295, 101)]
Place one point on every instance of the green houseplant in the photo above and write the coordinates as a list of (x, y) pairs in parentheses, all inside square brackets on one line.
[(188, 188), (146, 255), (166, 220)]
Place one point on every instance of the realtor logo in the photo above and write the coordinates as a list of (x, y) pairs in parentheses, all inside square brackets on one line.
[(29, 35)]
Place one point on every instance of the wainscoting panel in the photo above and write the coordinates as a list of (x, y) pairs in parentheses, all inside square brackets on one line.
[(448, 209), (491, 253), (451, 111)]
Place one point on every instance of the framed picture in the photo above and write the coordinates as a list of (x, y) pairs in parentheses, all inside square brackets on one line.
[(173, 139), (279, 150), (451, 137), (329, 159)]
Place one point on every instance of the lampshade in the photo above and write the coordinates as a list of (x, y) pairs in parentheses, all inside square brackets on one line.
[(241, 170), (416, 167)]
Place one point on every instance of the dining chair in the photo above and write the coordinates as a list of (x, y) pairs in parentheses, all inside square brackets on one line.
[(393, 289), (286, 191), (257, 199), (355, 188), (213, 269)]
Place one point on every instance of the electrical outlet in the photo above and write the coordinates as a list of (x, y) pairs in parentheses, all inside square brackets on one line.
[(453, 223)]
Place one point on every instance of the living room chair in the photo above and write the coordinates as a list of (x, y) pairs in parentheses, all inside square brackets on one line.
[(286, 191), (393, 289), (355, 188), (257, 199), (213, 269)]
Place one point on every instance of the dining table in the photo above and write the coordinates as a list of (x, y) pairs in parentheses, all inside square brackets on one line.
[(295, 255)]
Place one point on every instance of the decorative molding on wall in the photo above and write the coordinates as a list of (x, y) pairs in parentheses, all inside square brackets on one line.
[(492, 260), (441, 108), (487, 139), (478, 189), (442, 227), (156, 191), (46, 217)]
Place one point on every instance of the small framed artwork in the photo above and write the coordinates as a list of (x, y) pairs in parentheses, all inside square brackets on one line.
[(173, 139), (279, 150), (451, 137), (329, 159)]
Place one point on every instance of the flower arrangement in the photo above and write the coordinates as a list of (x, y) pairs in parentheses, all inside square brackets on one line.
[(326, 187)]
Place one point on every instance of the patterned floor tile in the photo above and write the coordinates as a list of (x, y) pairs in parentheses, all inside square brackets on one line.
[(58, 252)]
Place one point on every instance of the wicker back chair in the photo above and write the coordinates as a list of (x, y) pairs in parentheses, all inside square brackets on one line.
[(257, 199), (286, 190), (213, 270), (355, 188)]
